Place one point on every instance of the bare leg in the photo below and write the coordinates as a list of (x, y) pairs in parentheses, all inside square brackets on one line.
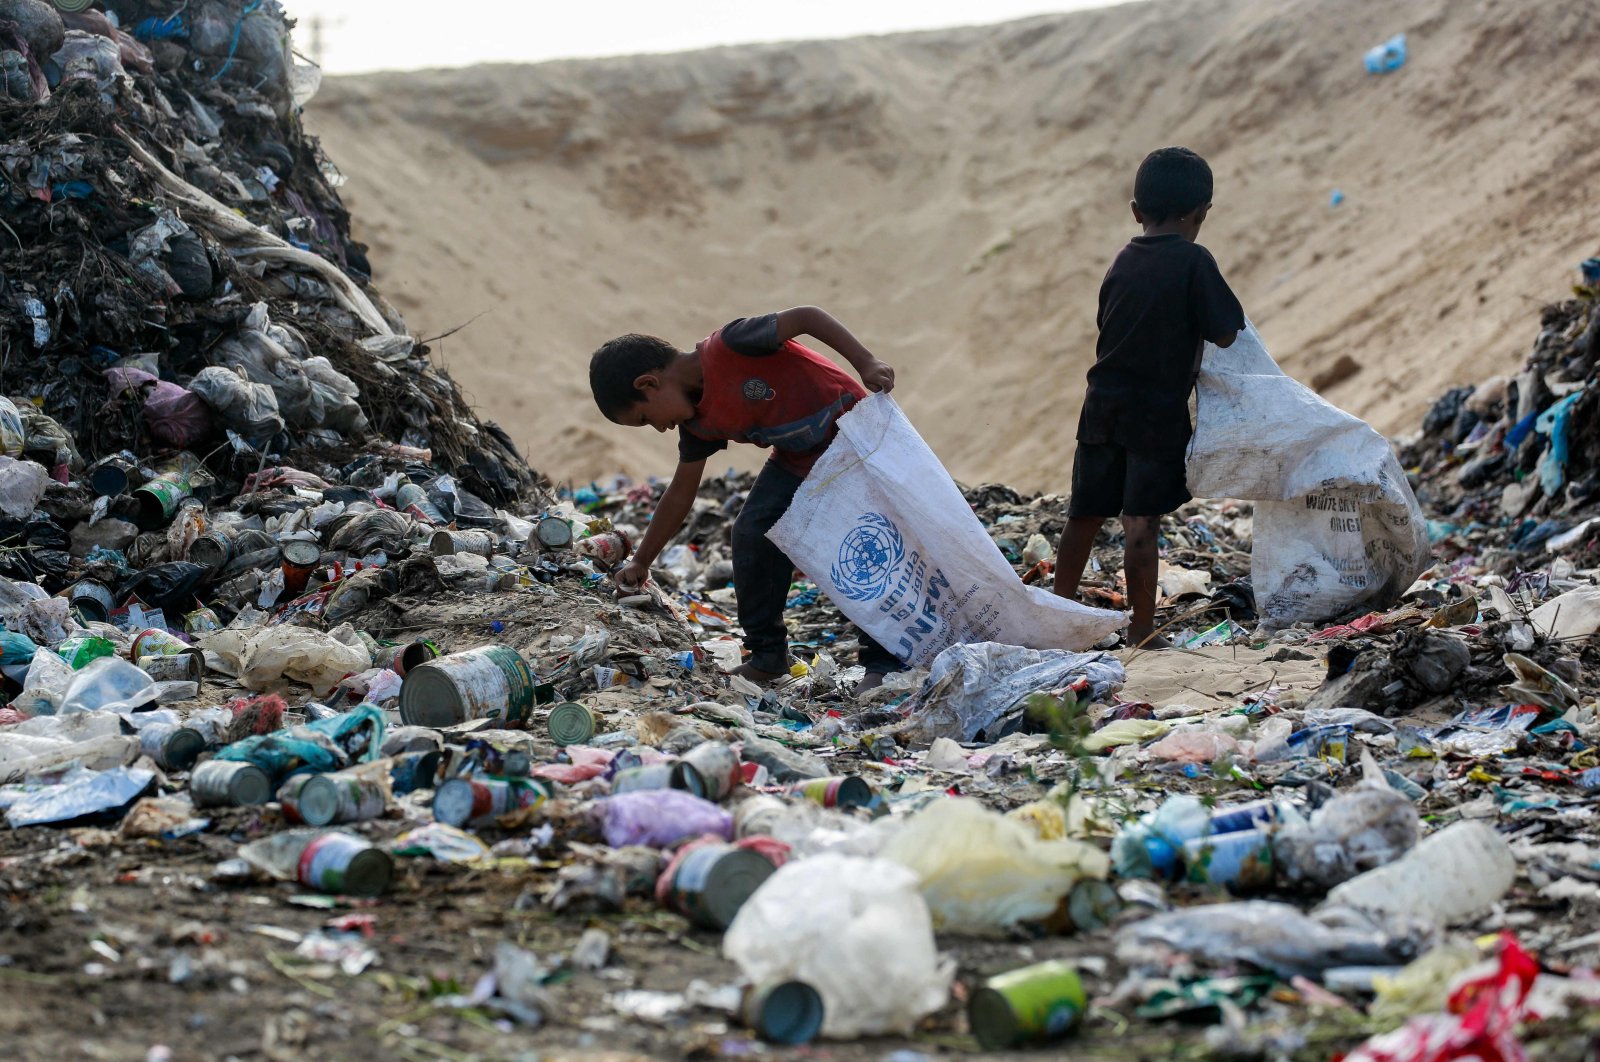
[(1141, 564), (1077, 542)]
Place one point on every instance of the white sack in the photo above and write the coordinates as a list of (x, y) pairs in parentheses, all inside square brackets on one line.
[(1336, 524), (881, 527)]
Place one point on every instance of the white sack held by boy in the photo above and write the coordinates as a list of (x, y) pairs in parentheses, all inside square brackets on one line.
[(883, 530), (1336, 525)]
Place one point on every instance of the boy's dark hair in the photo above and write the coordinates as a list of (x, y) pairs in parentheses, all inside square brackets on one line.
[(1171, 182), (614, 367)]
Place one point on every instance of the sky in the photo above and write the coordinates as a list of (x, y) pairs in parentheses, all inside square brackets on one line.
[(364, 35)]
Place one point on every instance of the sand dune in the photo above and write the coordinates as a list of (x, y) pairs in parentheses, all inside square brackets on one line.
[(956, 196)]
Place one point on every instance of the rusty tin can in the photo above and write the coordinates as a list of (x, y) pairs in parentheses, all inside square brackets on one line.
[(184, 667), (92, 601), (403, 658), (490, 682), (171, 746), (229, 783), (713, 881), (608, 548), (299, 561), (320, 799)]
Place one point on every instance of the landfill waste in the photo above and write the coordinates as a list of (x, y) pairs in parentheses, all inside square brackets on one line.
[(317, 696)]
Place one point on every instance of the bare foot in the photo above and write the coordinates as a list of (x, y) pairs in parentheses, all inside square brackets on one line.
[(1148, 640), (756, 675), (869, 682)]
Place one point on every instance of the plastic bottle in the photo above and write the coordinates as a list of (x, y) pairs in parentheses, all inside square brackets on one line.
[(108, 684), (1450, 876), (1149, 848)]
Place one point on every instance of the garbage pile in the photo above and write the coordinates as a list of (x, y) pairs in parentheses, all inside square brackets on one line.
[(319, 700)]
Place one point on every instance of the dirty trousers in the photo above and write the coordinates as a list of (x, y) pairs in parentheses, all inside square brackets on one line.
[(761, 577)]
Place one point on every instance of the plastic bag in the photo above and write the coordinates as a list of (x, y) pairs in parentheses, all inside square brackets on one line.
[(249, 408), (22, 484), (13, 436), (975, 689), (881, 527), (109, 684), (1336, 526), (1274, 937), (661, 818), (177, 418), (262, 359), (1354, 832), (91, 58), (86, 797), (981, 872), (868, 949), (325, 745), (263, 657)]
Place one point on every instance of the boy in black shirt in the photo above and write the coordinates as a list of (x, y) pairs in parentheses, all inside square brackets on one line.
[(1162, 299)]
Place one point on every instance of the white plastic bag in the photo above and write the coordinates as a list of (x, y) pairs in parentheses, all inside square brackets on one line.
[(1336, 524), (975, 690), (880, 526), (981, 872), (854, 928), (22, 484), (262, 657)]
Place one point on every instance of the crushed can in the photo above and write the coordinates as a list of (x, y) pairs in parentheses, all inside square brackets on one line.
[(1035, 1004), (448, 543), (608, 548), (321, 799), (171, 746), (490, 682), (782, 1012), (185, 667), (411, 771), (713, 881), (468, 800), (229, 784), (412, 499), (571, 723), (717, 766), (344, 864), (843, 791)]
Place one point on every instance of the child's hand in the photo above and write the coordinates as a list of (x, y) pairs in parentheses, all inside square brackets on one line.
[(878, 376), (631, 576)]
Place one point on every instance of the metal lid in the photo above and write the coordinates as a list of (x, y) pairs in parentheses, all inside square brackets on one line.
[(368, 873), (789, 1012), (300, 553), (428, 697), (452, 802), (315, 798), (554, 532), (570, 724)]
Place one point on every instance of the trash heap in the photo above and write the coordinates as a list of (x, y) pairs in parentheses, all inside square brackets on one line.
[(319, 700)]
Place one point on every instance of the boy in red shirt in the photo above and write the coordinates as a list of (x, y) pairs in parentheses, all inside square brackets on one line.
[(750, 382)]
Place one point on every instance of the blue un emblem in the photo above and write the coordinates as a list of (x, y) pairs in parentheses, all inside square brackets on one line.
[(869, 556)]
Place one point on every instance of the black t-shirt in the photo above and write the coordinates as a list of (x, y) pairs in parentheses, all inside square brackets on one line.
[(754, 337), (1161, 300)]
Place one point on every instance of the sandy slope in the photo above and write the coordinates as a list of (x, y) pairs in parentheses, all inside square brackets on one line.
[(956, 196)]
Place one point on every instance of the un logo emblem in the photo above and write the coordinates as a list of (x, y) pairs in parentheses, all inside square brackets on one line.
[(868, 558)]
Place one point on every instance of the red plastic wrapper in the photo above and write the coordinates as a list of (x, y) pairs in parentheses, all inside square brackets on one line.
[(1480, 1027)]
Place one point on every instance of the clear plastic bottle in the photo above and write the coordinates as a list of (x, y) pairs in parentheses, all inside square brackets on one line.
[(1451, 876), (1150, 847)]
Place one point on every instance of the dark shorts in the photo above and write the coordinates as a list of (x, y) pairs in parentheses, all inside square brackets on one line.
[(1109, 480)]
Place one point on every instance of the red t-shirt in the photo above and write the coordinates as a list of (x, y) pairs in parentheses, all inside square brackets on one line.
[(760, 391)]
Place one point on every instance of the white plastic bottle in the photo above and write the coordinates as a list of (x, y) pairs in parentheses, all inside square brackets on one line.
[(1447, 878)]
